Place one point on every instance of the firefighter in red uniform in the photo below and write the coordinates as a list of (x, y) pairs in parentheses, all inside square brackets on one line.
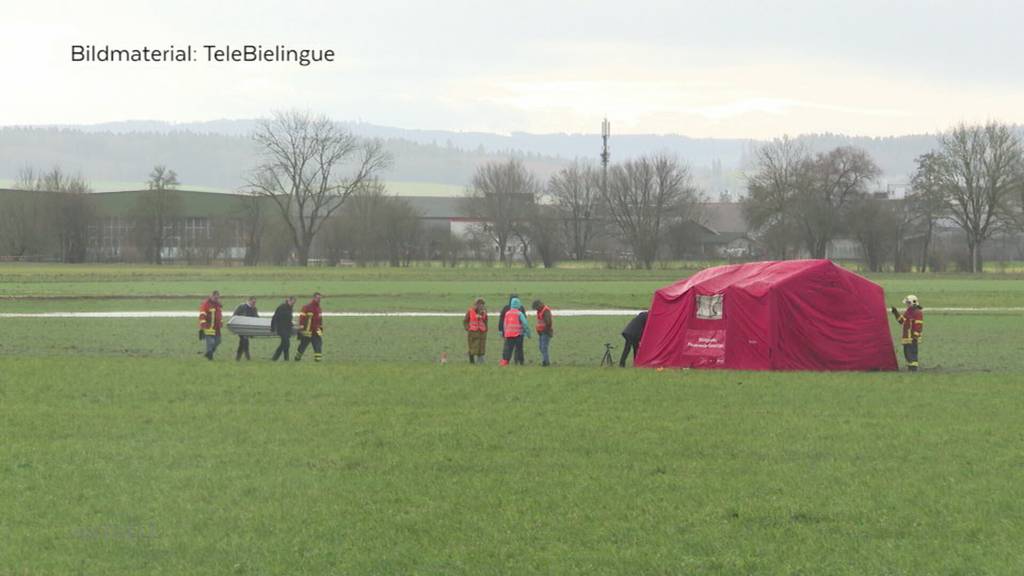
[(210, 317), (912, 320), (311, 329)]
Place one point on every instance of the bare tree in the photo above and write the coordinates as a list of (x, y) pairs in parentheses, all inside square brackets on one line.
[(55, 205), (980, 170), (542, 229), (304, 156), (374, 226), (772, 193), (873, 222), (501, 197), (401, 231), (253, 227), (927, 201), (812, 195), (356, 230), (643, 196), (73, 212), (444, 245), (906, 223), (156, 213), (576, 191), (23, 223), (522, 234), (837, 180)]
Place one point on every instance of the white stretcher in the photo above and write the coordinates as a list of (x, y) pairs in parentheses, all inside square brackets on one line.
[(249, 326)]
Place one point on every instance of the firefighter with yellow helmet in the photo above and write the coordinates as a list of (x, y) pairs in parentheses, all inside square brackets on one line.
[(912, 320)]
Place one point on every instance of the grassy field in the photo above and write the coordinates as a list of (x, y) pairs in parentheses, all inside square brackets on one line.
[(952, 343), (55, 288), (122, 451), (122, 466)]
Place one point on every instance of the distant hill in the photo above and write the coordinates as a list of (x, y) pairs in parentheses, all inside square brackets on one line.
[(211, 159), (217, 154)]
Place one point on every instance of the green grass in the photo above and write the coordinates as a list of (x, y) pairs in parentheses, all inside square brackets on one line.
[(53, 288), (952, 343), (123, 451), (157, 466)]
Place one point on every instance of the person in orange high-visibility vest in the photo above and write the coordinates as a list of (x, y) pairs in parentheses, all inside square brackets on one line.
[(311, 329), (210, 321), (501, 323), (912, 320), (475, 323), (545, 330), (515, 327)]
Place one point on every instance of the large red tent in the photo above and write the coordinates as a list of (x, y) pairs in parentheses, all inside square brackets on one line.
[(788, 315)]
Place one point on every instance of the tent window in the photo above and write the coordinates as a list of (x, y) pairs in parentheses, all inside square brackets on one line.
[(709, 307)]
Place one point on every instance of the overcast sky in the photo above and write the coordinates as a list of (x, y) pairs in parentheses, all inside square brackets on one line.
[(721, 69)]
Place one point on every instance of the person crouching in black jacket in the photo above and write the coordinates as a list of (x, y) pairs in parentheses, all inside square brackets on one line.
[(281, 324), (247, 308), (632, 334)]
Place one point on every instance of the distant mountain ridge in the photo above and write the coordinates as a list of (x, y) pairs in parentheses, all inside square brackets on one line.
[(218, 153)]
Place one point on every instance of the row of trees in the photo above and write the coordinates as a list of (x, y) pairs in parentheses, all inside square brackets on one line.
[(796, 202), (318, 183), (801, 202), (33, 224), (796, 199), (311, 167), (50, 213), (634, 204), (374, 227)]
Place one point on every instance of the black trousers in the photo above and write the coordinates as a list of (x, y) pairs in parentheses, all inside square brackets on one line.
[(513, 346), (243, 348), (629, 345), (318, 345), (283, 347), (910, 354)]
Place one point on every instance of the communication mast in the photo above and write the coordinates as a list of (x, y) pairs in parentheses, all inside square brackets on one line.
[(606, 131)]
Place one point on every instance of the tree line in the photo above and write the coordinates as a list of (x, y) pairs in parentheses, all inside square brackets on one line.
[(798, 203), (316, 188)]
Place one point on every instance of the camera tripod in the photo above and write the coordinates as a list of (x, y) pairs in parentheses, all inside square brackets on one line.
[(607, 358)]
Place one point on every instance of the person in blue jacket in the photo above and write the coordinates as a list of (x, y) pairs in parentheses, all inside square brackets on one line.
[(514, 327)]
